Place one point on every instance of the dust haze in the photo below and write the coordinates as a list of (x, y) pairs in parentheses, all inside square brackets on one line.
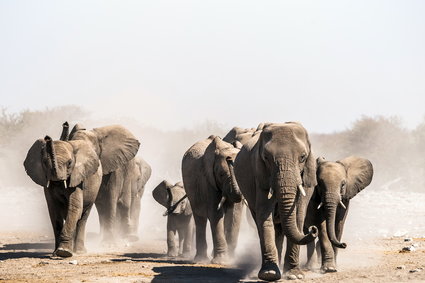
[(388, 207)]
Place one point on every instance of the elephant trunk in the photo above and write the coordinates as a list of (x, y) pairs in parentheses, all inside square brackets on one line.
[(65, 132), (288, 213), (51, 154), (285, 184), (235, 194), (330, 208)]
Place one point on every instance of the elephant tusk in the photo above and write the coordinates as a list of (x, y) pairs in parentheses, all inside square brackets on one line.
[(300, 187), (342, 204), (48, 183), (64, 184), (223, 199), (245, 202), (269, 196), (320, 205)]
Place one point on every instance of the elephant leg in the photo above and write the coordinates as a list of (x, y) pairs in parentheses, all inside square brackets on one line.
[(125, 208), (311, 248), (108, 200), (74, 212), (219, 240), (291, 263), (201, 239), (232, 224), (279, 240), (80, 234), (188, 233), (181, 235), (55, 214), (269, 269), (171, 237), (326, 250)]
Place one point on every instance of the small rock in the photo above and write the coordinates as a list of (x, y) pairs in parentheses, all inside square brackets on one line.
[(43, 263), (75, 262), (408, 239), (409, 249), (401, 267), (415, 270)]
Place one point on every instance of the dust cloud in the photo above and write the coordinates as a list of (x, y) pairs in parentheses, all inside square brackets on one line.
[(390, 206)]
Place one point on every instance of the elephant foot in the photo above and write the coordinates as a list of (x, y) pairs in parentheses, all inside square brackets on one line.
[(61, 252), (132, 238), (173, 254), (294, 274), (220, 259), (80, 250), (201, 259), (328, 268), (269, 272)]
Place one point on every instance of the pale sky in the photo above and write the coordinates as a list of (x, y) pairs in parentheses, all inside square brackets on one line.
[(172, 64)]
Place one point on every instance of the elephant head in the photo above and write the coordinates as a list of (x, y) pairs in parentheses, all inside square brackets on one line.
[(338, 182), (222, 175), (67, 163), (285, 165), (168, 195)]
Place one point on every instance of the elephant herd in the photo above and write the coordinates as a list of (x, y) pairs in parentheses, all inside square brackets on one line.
[(270, 169)]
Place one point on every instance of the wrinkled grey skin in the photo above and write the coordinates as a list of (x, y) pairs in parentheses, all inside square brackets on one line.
[(51, 164), (276, 160), (180, 221), (208, 176), (114, 200), (337, 181), (140, 176), (241, 135)]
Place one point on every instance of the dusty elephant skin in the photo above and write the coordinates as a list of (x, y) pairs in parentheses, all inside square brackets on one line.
[(179, 217), (276, 167), (338, 183), (117, 148), (70, 173), (211, 187)]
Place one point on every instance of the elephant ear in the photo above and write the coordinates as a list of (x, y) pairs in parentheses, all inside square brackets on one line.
[(160, 193), (359, 174), (86, 162), (33, 163), (117, 146), (75, 129), (309, 173)]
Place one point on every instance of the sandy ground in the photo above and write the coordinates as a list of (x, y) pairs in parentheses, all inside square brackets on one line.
[(25, 257), (377, 225)]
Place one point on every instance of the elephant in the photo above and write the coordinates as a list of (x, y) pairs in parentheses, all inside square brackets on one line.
[(70, 173), (114, 201), (239, 134), (179, 217), (338, 183), (211, 187), (276, 173)]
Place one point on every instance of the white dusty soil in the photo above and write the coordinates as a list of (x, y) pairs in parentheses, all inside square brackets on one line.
[(375, 231)]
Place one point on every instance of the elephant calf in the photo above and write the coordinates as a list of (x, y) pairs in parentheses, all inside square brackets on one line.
[(179, 220), (338, 183)]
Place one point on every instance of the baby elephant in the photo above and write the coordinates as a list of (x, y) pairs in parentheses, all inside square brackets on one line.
[(180, 220), (338, 183)]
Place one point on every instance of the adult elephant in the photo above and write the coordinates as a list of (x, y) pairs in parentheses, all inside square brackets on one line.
[(276, 167), (338, 183), (211, 187), (114, 200), (179, 217), (71, 173)]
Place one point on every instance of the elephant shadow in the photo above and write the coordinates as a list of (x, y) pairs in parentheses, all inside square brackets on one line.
[(185, 273), (154, 257), (30, 250)]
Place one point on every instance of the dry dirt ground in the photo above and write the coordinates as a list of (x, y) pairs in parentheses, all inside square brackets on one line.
[(25, 257)]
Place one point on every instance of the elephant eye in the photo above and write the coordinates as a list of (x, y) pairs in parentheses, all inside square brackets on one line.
[(69, 163), (303, 157)]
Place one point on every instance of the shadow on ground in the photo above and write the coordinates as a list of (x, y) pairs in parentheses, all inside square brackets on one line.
[(155, 257), (179, 273), (23, 250)]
